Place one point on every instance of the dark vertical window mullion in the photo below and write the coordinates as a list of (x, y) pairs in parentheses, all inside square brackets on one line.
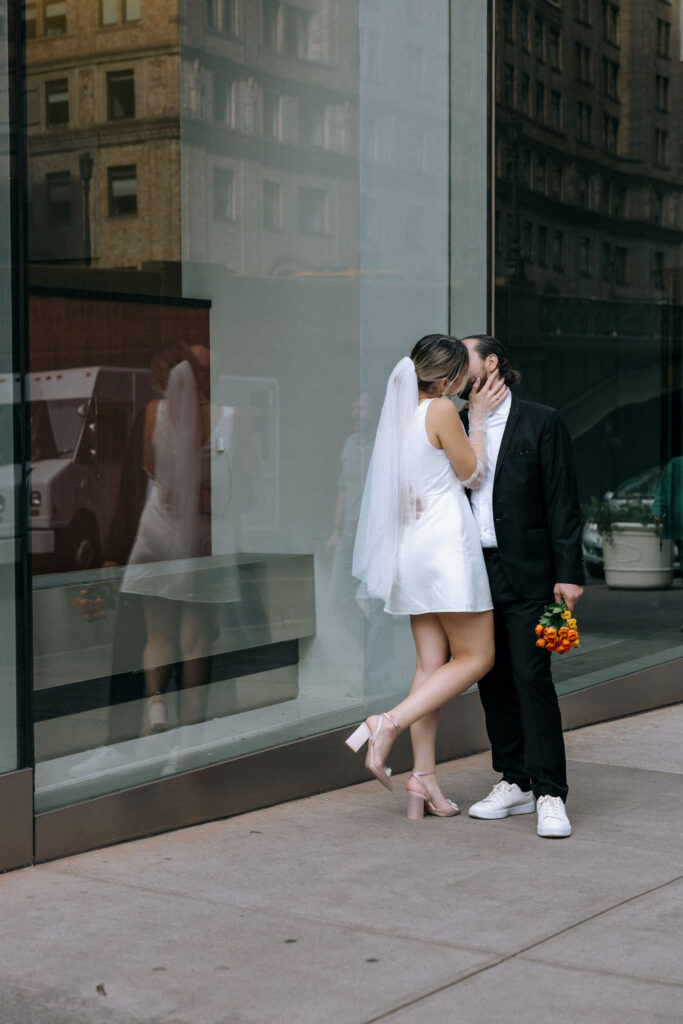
[(450, 167), (490, 169), (20, 360)]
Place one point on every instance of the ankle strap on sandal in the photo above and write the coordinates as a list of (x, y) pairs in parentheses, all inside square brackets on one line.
[(432, 771), (390, 718)]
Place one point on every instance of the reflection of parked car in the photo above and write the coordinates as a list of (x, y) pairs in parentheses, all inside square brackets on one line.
[(639, 488), (80, 421)]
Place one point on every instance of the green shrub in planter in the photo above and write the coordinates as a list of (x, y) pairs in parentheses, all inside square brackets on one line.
[(606, 513)]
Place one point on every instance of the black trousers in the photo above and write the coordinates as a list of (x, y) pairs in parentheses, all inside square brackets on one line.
[(520, 704)]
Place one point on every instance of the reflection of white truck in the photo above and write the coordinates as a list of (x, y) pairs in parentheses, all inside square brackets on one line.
[(80, 426)]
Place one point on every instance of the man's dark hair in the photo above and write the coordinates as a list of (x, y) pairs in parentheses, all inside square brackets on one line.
[(487, 345)]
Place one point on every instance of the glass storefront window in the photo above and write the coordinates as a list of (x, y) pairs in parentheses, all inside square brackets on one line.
[(10, 387), (223, 270), (594, 321)]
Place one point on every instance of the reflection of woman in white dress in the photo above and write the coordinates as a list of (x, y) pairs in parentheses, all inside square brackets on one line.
[(417, 548), (174, 531)]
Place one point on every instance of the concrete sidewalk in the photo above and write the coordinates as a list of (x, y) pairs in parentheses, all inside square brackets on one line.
[(336, 908)]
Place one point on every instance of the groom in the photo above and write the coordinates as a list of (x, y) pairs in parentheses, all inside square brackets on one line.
[(529, 523)]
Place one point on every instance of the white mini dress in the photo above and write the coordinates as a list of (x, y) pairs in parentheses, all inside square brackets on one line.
[(440, 565)]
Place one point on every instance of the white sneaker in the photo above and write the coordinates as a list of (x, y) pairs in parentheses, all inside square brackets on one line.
[(553, 822), (504, 799)]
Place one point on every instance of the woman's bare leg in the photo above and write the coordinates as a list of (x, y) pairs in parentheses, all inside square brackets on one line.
[(469, 638), (431, 646), (194, 647), (158, 656)]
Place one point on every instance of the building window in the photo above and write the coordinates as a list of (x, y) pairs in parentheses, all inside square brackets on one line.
[(585, 256), (620, 258), (525, 168), (605, 195), (662, 91), (539, 102), (555, 119), (57, 102), (55, 18), (663, 38), (658, 270), (223, 195), (556, 180), (507, 20), (497, 233), (583, 11), (523, 27), (583, 184), (557, 250), (527, 229), (224, 100), (30, 21), (120, 95), (584, 122), (610, 22), (583, 60), (619, 201), (661, 147), (311, 124), (297, 28), (109, 11), (610, 78), (539, 38), (524, 89), (123, 190), (610, 133), (272, 206), (657, 207), (509, 85), (606, 261), (554, 48), (311, 211), (272, 121), (271, 24), (542, 245), (221, 15), (58, 194), (541, 179)]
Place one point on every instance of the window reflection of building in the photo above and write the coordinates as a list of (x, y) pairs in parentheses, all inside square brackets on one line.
[(100, 79), (594, 322)]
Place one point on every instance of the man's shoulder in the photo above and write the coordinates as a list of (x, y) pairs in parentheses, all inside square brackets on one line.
[(535, 411)]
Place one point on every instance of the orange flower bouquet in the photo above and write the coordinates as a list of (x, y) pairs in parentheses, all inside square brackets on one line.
[(556, 630), (94, 600)]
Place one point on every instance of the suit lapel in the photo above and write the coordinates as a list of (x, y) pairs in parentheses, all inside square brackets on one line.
[(507, 435)]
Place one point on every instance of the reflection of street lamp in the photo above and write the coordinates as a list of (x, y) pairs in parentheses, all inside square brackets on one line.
[(515, 261), (85, 163)]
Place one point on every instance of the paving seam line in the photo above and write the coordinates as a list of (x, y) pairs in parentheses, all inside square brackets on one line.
[(512, 956)]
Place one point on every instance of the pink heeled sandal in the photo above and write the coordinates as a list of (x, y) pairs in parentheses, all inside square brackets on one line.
[(418, 803), (363, 735)]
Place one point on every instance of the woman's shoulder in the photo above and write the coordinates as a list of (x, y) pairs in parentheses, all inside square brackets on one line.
[(442, 410)]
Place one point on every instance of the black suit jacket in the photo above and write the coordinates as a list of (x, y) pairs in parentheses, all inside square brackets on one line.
[(536, 509)]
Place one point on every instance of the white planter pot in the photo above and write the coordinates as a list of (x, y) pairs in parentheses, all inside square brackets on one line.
[(637, 558)]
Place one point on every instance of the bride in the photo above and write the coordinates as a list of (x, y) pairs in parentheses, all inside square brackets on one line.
[(417, 548)]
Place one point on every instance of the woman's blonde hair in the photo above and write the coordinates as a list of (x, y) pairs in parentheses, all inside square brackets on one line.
[(437, 356)]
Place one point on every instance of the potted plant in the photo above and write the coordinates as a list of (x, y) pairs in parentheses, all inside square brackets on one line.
[(634, 553)]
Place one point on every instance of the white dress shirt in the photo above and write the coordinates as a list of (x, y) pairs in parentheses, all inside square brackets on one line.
[(482, 498)]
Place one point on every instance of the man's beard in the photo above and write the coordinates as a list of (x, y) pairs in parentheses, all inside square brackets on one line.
[(471, 381)]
